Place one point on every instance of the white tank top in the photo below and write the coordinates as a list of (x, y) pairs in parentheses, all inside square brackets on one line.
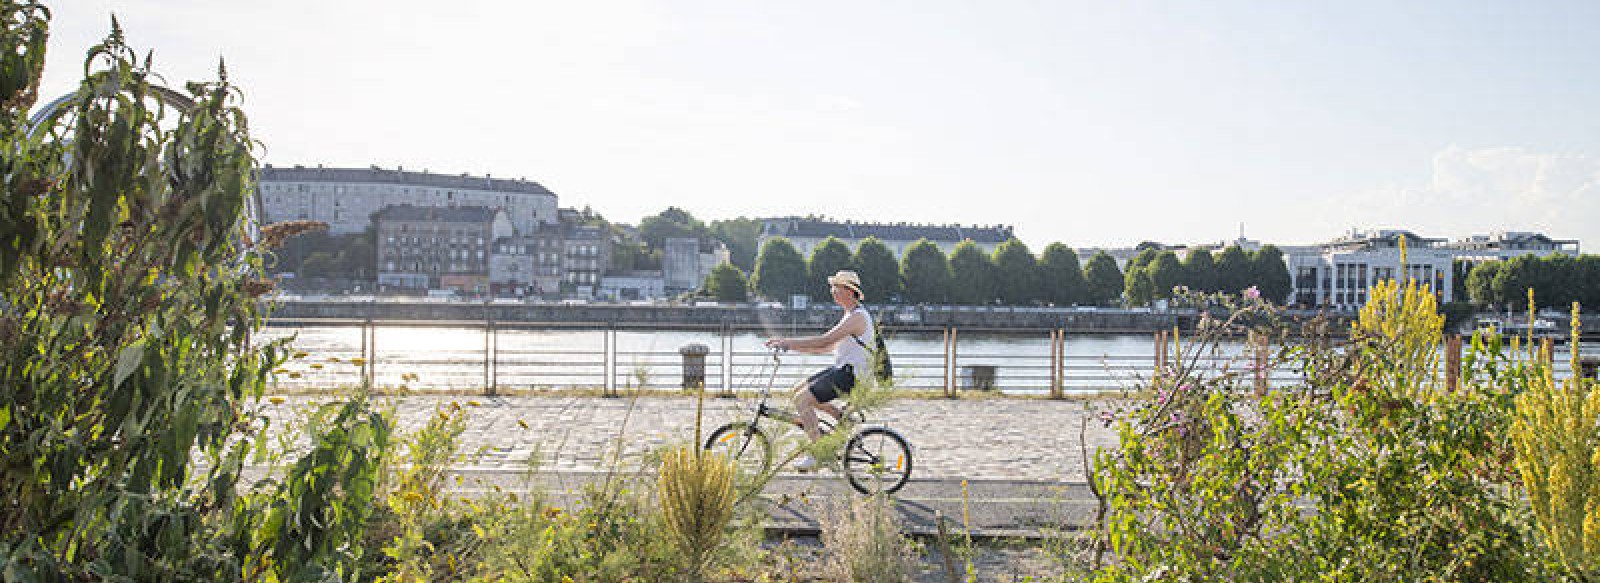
[(848, 351)]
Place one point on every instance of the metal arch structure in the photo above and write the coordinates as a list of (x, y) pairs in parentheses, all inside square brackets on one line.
[(53, 110)]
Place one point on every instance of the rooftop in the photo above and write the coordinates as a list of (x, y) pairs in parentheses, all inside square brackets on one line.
[(376, 175), (458, 214), (811, 227)]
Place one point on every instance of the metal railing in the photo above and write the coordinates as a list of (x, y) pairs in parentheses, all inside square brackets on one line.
[(499, 358)]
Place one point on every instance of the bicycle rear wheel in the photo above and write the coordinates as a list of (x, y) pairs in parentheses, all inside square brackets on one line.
[(877, 460), (745, 444)]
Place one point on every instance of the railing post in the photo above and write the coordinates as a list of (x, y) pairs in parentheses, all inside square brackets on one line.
[(486, 390), (369, 353), (950, 361), (1056, 358), (608, 362), (1452, 362)]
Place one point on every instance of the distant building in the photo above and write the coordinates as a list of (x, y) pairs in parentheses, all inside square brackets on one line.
[(807, 233), (1510, 244), (1338, 273), (437, 248), (346, 198), (586, 254), (686, 261), (632, 285), (527, 265)]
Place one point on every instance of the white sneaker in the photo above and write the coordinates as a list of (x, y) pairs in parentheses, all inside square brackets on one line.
[(805, 463)]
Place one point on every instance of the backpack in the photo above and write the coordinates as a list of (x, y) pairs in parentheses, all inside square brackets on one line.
[(882, 367)]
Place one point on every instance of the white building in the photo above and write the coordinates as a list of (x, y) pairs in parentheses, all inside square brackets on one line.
[(1337, 274), (686, 261), (346, 198), (632, 285), (806, 233), (1501, 245)]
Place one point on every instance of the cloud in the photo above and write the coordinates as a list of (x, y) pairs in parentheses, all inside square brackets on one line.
[(1472, 191)]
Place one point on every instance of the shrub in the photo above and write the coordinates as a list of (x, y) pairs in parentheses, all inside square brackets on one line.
[(863, 542)]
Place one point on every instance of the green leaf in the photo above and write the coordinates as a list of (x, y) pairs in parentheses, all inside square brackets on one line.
[(128, 361), (5, 416)]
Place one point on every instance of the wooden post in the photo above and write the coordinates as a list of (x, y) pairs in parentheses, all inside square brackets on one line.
[(1452, 362), (1055, 364)]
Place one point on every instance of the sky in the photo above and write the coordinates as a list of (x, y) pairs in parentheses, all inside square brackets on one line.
[(1089, 123)]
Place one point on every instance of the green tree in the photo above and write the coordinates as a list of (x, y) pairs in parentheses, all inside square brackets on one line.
[(880, 273), (926, 274), (1103, 279), (669, 224), (1137, 287), (1512, 281), (1061, 278), (780, 271), (320, 264), (1234, 270), (1270, 274), (1201, 271), (1480, 284), (132, 358), (1165, 273), (742, 236), (971, 275), (1589, 282), (827, 259), (1017, 273), (727, 283)]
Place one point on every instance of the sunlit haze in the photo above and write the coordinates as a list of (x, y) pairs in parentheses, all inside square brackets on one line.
[(1090, 123)]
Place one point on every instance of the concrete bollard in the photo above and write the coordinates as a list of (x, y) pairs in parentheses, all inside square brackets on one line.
[(694, 365)]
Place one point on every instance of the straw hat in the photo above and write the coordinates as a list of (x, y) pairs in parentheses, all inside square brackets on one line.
[(848, 279)]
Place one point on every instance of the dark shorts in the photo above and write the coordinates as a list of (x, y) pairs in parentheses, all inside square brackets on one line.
[(829, 383)]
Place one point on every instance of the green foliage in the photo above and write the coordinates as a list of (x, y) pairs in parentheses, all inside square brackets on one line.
[(1201, 271), (1016, 272), (1557, 443), (670, 224), (1166, 274), (780, 271), (697, 498), (727, 283), (1558, 279), (131, 282), (1367, 470), (318, 254), (972, 275), (880, 273), (1270, 274), (926, 273), (1137, 287), (1234, 271), (827, 259), (1480, 284), (1103, 279), (1060, 277), (742, 236)]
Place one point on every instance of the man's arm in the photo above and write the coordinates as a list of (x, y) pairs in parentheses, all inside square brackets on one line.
[(854, 323)]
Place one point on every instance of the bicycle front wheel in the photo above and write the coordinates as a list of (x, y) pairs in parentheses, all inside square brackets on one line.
[(745, 444), (877, 460)]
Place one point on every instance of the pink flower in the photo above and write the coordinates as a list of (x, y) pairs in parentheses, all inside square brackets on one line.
[(1252, 293), (1184, 388)]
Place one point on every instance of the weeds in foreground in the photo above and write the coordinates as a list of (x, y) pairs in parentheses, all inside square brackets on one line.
[(864, 543)]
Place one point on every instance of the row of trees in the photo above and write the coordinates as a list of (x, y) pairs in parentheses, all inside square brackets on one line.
[(1012, 275), (1557, 281), (1155, 274)]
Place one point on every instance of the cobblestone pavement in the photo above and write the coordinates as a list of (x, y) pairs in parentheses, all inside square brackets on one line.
[(987, 438)]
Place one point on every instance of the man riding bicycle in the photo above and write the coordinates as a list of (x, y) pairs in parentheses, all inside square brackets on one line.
[(847, 340)]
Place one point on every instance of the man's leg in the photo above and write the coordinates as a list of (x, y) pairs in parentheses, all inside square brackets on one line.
[(831, 409), (805, 406)]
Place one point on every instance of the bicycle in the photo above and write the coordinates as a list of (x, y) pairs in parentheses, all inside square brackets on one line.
[(875, 458)]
